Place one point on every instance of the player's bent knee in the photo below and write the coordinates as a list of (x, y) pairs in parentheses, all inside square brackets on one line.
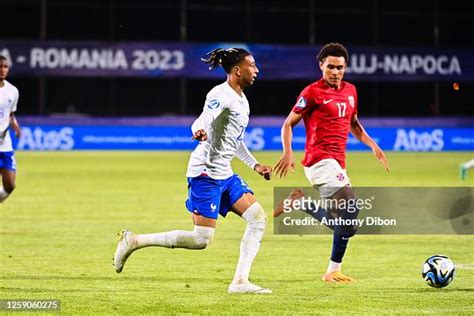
[(202, 237), (201, 243), (255, 216), (261, 216)]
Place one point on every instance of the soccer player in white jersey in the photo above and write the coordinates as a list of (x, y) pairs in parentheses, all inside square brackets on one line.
[(8, 102), (213, 188)]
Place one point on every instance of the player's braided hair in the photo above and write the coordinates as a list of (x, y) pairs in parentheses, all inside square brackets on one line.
[(333, 49), (227, 58)]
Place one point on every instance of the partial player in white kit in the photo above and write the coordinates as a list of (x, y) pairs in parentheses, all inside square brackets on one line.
[(8, 102), (213, 187), (465, 167)]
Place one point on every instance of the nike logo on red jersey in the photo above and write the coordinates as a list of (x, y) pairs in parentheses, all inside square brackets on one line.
[(327, 101)]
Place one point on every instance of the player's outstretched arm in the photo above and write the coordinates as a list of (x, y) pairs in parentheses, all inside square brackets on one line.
[(359, 132), (247, 158), (286, 162)]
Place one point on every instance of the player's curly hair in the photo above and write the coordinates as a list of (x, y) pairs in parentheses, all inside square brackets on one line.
[(3, 57), (333, 49), (227, 58)]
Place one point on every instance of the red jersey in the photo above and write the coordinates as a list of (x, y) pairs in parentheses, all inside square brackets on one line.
[(327, 115)]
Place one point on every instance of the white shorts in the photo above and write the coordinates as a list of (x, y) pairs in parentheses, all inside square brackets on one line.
[(328, 176)]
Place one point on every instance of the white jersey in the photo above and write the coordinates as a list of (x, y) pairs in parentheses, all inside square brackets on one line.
[(228, 116), (8, 101)]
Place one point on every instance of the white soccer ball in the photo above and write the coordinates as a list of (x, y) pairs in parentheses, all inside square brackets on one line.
[(438, 271)]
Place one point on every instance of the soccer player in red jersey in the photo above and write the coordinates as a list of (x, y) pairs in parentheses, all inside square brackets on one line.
[(328, 108)]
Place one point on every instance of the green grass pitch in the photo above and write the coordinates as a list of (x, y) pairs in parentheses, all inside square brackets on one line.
[(57, 239)]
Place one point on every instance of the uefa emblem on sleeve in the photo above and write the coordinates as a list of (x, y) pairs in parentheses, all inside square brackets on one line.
[(213, 104), (301, 103)]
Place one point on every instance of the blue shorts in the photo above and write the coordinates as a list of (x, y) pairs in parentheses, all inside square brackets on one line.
[(209, 197), (7, 160)]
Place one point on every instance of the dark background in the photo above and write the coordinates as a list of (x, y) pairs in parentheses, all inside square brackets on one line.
[(415, 23)]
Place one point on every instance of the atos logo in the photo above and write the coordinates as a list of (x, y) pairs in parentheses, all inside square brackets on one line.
[(39, 139), (413, 141)]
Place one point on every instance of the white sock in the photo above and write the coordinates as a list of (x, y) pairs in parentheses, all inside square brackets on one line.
[(334, 266), (469, 164), (3, 194), (199, 238), (250, 244)]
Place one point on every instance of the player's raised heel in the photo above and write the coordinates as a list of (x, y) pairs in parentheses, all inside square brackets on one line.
[(337, 277), (247, 288), (124, 250)]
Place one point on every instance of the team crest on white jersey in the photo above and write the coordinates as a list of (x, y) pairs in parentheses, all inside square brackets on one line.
[(351, 100), (301, 103)]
